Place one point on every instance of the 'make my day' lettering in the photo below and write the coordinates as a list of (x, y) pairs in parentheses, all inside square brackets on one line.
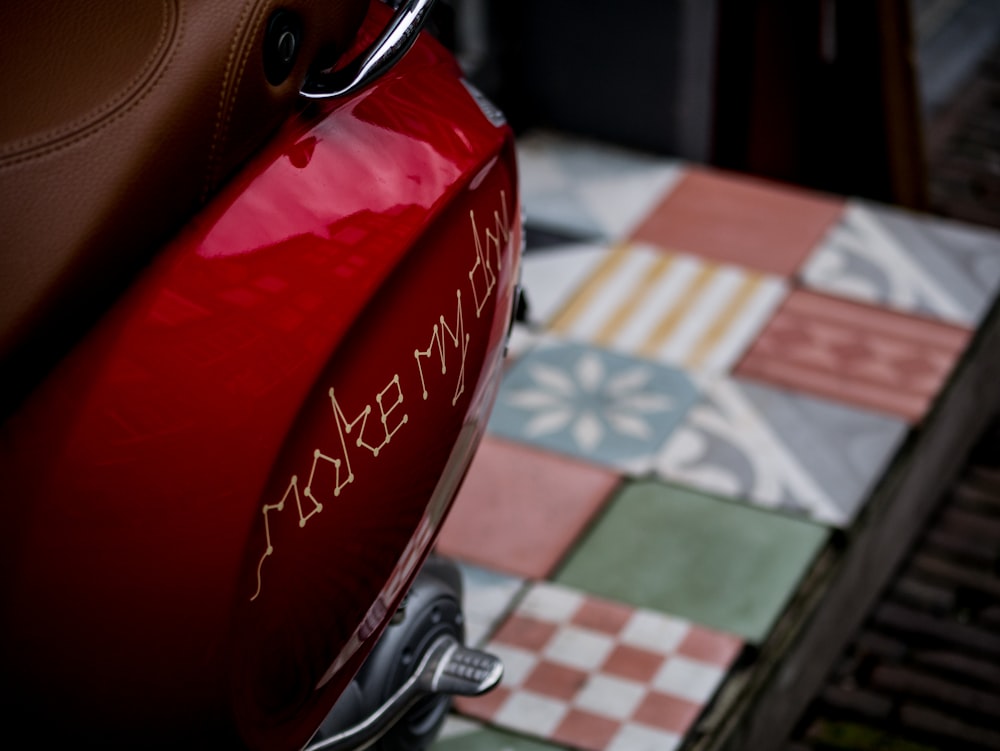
[(448, 345)]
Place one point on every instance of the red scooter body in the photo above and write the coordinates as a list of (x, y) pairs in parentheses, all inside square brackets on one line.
[(215, 503)]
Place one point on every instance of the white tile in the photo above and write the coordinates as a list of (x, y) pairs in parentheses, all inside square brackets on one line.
[(539, 172), (641, 738), (517, 663), (531, 713), (579, 648), (609, 696), (551, 603), (688, 679), (654, 631)]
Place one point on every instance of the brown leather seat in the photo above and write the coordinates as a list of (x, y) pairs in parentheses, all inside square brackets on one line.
[(118, 118)]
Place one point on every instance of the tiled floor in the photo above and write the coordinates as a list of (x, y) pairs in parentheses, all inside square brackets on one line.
[(716, 373), (866, 356), (670, 307), (596, 674), (524, 508)]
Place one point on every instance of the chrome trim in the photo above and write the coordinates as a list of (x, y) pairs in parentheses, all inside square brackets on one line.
[(390, 47), (430, 677)]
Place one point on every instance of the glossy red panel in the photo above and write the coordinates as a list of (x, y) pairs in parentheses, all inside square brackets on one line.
[(346, 298)]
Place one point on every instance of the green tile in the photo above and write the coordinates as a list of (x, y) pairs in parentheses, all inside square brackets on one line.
[(460, 734), (719, 564)]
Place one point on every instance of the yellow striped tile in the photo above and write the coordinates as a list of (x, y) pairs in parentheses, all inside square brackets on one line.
[(590, 289)]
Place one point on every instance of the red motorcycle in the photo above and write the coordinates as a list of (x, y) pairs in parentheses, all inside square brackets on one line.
[(259, 270)]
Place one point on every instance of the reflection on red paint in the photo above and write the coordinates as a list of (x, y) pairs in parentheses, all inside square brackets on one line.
[(334, 288)]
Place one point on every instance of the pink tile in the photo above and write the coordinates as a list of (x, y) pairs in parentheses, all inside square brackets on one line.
[(741, 220), (667, 712), (848, 352), (601, 615), (633, 663), (486, 706), (559, 681), (710, 646), (520, 509), (526, 633)]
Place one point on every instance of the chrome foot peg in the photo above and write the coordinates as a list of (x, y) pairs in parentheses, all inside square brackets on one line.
[(447, 667), (461, 671)]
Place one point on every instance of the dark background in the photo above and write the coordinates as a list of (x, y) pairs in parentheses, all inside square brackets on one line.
[(858, 97)]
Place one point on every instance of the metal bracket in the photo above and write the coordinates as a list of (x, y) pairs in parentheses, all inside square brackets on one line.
[(390, 47), (447, 667)]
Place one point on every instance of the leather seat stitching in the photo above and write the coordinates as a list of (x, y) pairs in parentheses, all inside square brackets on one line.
[(227, 96), (92, 118)]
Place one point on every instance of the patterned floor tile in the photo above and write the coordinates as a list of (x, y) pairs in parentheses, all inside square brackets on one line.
[(740, 220), (909, 262), (460, 734), (587, 189), (596, 405), (487, 596), (728, 566), (551, 276), (779, 449), (595, 674), (673, 308), (857, 354), (520, 509)]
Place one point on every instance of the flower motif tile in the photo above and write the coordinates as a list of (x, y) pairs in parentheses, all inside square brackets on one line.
[(725, 565), (596, 405), (674, 308), (740, 220), (857, 354), (520, 508), (588, 189), (782, 450), (908, 262), (487, 596), (595, 674)]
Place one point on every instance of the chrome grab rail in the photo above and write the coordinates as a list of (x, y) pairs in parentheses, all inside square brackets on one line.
[(390, 47)]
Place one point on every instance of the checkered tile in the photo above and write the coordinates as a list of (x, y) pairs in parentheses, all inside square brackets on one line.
[(595, 674)]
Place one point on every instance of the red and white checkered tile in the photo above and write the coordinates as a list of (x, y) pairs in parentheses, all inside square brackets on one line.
[(598, 675)]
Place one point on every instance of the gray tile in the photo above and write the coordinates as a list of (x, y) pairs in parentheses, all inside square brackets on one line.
[(781, 449), (589, 189), (909, 262)]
